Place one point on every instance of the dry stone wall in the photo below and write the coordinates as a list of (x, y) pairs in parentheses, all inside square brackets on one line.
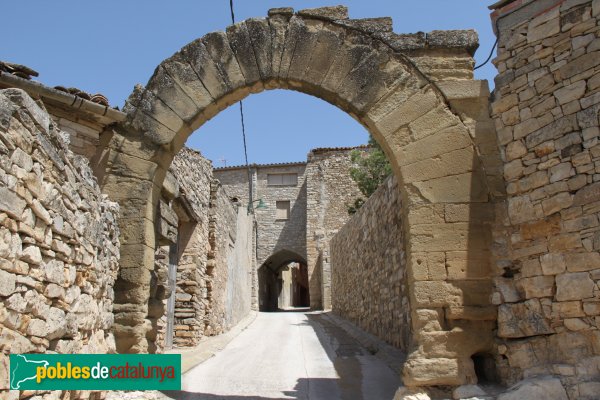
[(214, 253), (547, 273), (369, 249), (330, 190), (192, 304), (59, 246)]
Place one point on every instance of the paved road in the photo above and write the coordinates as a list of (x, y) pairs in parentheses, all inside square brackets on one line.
[(291, 355)]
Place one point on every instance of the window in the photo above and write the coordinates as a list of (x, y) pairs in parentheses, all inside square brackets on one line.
[(282, 179), (283, 210)]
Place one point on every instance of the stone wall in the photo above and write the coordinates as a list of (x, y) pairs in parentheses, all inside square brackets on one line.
[(209, 241), (318, 208), (230, 262), (59, 246), (192, 174), (547, 272), (370, 249), (274, 234), (330, 190)]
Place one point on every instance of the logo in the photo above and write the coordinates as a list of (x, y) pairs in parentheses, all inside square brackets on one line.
[(95, 372)]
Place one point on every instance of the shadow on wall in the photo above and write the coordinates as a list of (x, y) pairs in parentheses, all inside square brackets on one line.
[(293, 233), (477, 277), (268, 289)]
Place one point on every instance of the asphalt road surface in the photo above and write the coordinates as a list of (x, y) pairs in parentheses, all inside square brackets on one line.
[(291, 355)]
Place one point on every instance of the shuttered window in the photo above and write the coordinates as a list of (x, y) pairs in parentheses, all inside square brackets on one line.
[(282, 179)]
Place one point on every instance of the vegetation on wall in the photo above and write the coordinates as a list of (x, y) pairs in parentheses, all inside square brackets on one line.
[(370, 169)]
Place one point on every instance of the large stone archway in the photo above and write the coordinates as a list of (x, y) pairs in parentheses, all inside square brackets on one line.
[(414, 93)]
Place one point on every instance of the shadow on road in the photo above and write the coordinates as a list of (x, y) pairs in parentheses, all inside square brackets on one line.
[(323, 386), (344, 352)]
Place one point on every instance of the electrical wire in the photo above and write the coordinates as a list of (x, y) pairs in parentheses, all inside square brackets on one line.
[(493, 47), (250, 200)]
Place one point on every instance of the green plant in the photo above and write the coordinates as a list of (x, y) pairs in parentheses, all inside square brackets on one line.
[(370, 169)]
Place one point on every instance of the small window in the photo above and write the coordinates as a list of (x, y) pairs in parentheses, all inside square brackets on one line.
[(283, 210), (282, 179)]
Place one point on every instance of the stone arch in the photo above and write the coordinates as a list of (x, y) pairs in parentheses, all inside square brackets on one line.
[(267, 276), (414, 93)]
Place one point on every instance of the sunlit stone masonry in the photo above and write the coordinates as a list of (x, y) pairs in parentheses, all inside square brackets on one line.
[(59, 242), (479, 258), (547, 272)]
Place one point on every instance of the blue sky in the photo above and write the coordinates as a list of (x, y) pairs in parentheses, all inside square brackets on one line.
[(109, 46)]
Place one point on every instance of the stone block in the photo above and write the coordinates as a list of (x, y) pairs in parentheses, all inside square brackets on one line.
[(330, 13), (205, 68), (537, 286), (401, 113), (575, 324), (259, 32), (7, 283), (167, 89), (455, 343), (566, 241), (463, 39), (590, 308), (567, 309), (187, 79), (578, 262), (427, 320), (571, 92), (449, 237), (556, 203), (432, 371), (515, 150), (541, 229), (466, 266), (522, 320), (451, 163), (587, 194), (520, 209), (11, 203), (574, 286), (461, 90), (433, 121), (576, 66), (553, 263), (436, 294), (460, 188), (327, 45), (429, 267)]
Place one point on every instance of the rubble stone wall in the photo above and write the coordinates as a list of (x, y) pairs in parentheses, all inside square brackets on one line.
[(229, 262), (215, 260), (547, 274), (330, 190), (370, 248), (59, 246), (194, 175)]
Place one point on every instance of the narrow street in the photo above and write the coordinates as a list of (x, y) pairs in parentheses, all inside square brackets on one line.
[(291, 355)]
